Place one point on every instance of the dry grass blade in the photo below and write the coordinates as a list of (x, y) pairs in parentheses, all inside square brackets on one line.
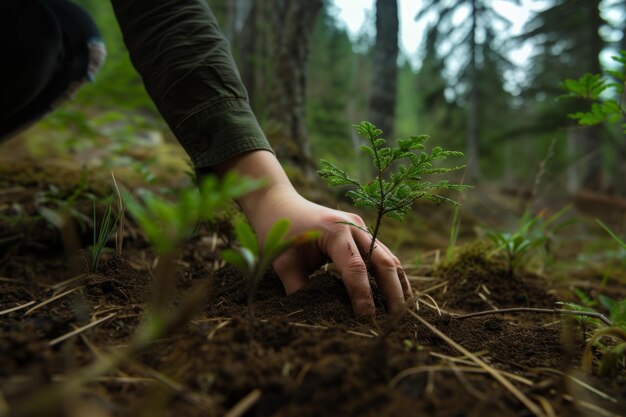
[(214, 330), (547, 407), (589, 406), (359, 334), (309, 326), (492, 371), (67, 282), (49, 300), (471, 368), (202, 401), (80, 330), (119, 235), (16, 308), (577, 381), (509, 375), (434, 287), (420, 278), (293, 313), (11, 280), (112, 379), (434, 302), (433, 368), (245, 404), (458, 372)]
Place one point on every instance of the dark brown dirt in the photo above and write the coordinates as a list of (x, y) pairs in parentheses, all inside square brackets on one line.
[(306, 353)]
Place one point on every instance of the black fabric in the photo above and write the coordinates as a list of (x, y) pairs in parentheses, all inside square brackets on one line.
[(43, 50)]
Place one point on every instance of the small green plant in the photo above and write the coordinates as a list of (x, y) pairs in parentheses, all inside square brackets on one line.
[(533, 233), (612, 234), (612, 355), (167, 223), (101, 235), (54, 203), (603, 91), (254, 260), (393, 192)]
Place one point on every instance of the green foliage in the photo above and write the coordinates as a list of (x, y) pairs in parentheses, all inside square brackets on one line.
[(101, 235), (253, 260), (393, 193), (54, 204), (603, 91), (612, 355), (166, 224), (612, 234), (533, 233)]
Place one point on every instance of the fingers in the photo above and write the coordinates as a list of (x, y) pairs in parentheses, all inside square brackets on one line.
[(291, 270), (346, 256), (389, 274)]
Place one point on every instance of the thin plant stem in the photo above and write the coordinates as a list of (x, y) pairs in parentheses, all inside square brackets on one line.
[(598, 316)]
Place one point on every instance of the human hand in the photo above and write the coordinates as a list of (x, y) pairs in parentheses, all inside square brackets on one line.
[(342, 243)]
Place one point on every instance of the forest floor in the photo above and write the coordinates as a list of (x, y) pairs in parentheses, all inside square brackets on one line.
[(304, 355)]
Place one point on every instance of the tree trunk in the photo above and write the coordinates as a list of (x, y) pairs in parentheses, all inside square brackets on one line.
[(382, 107), (473, 167), (254, 53), (293, 22)]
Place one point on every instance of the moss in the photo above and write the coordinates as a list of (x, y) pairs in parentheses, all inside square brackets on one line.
[(469, 261), (30, 174)]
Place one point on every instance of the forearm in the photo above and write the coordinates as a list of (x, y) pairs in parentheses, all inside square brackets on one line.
[(188, 70)]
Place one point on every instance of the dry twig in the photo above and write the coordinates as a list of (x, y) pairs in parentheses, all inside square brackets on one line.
[(598, 316), (49, 300), (16, 308), (80, 330)]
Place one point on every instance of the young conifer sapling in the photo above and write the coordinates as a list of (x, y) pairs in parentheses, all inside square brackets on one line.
[(393, 190)]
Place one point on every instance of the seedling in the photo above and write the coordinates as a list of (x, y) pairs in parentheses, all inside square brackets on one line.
[(613, 355), (612, 234), (393, 192), (166, 224), (533, 233), (254, 260), (101, 236), (55, 200)]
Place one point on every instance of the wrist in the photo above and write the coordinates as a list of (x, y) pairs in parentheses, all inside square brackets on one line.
[(263, 165)]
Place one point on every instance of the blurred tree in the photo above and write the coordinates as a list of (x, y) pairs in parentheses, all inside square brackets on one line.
[(471, 46), (382, 107), (566, 38), (329, 94), (293, 23)]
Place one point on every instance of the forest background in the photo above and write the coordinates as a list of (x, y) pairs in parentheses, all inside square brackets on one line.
[(309, 81)]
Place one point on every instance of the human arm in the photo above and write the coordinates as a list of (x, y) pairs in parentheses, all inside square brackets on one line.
[(187, 68)]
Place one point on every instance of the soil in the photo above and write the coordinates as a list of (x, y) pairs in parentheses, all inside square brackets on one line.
[(304, 355)]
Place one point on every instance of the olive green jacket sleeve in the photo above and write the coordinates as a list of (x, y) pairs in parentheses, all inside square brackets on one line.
[(188, 70)]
